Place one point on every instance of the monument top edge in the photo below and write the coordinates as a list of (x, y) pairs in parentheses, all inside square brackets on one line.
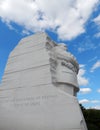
[(43, 34)]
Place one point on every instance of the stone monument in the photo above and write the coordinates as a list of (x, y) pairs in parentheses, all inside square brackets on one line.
[(39, 86)]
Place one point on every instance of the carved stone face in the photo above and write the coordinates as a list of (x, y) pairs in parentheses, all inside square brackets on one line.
[(63, 46)]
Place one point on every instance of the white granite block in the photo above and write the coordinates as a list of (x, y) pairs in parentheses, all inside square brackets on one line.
[(39, 86)]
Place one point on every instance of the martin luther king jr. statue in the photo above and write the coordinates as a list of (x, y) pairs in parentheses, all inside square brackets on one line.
[(39, 86)]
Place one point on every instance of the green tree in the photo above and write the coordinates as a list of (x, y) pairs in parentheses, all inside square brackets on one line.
[(92, 117)]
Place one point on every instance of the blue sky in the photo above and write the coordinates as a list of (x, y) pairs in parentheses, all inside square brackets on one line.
[(74, 22)]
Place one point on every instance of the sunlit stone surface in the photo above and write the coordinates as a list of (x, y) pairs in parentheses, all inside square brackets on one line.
[(38, 90)]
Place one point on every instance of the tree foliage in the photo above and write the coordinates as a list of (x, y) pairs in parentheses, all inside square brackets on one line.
[(92, 118)]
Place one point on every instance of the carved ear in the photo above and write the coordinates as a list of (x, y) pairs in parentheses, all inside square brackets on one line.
[(50, 44)]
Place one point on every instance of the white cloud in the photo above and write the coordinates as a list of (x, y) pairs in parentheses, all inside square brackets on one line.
[(97, 20), (95, 66), (96, 107), (67, 17), (81, 65), (82, 80), (84, 101), (25, 32), (86, 45), (85, 90), (97, 35), (95, 101), (98, 90), (94, 58), (92, 104)]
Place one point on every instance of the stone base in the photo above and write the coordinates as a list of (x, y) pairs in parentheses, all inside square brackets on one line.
[(40, 108)]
